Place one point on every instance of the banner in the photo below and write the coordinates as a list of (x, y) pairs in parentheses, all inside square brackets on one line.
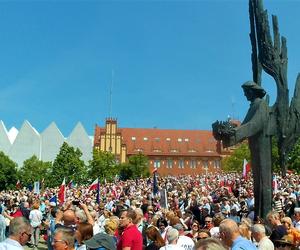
[(163, 198), (36, 187)]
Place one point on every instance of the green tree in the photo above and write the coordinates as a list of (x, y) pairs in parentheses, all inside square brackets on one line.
[(137, 166), (34, 170), (8, 172), (235, 161), (140, 165), (275, 156), (125, 171), (294, 158), (103, 165), (69, 165)]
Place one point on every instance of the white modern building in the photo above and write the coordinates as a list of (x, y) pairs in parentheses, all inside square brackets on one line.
[(23, 144)]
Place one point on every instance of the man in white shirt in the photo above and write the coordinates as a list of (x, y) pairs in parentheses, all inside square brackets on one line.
[(296, 222), (184, 241), (172, 237), (225, 207), (20, 232), (259, 234)]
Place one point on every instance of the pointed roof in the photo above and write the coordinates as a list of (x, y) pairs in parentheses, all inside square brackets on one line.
[(26, 144), (51, 140), (80, 139), (77, 132), (52, 128), (5, 143)]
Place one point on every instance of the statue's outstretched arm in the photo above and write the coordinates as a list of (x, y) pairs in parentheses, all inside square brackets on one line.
[(256, 120)]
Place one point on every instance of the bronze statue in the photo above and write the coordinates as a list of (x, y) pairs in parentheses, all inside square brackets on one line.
[(282, 120), (255, 128)]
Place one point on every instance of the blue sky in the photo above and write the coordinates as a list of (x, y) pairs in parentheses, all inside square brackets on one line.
[(176, 64)]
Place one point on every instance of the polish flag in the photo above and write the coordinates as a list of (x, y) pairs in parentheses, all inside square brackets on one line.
[(18, 184), (94, 185), (246, 168), (61, 192), (275, 184), (222, 182)]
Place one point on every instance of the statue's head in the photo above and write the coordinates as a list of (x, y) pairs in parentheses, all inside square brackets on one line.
[(252, 90)]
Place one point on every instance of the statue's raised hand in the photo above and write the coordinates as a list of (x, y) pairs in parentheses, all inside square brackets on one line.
[(224, 131)]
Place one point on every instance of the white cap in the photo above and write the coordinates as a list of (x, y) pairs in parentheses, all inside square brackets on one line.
[(52, 204), (297, 210)]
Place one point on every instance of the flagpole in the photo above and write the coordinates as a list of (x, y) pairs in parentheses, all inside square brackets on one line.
[(98, 192)]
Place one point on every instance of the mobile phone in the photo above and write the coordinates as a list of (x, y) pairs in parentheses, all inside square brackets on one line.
[(75, 203)]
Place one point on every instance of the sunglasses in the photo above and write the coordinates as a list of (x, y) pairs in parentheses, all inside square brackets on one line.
[(56, 241), (281, 244), (29, 235), (201, 238)]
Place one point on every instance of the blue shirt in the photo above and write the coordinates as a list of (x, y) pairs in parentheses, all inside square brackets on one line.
[(241, 243)]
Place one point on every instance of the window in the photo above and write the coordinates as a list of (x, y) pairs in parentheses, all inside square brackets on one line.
[(156, 139), (145, 138), (193, 164), (186, 139), (205, 164), (170, 163), (217, 163), (181, 163), (156, 163), (133, 138), (179, 140), (174, 151), (168, 139), (192, 151), (156, 150)]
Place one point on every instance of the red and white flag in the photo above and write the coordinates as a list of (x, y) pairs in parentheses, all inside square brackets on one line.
[(18, 184), (62, 192), (154, 170), (94, 185), (275, 184), (246, 168)]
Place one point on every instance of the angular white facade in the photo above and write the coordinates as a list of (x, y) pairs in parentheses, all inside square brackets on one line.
[(26, 144), (4, 140), (80, 139), (51, 140), (23, 144)]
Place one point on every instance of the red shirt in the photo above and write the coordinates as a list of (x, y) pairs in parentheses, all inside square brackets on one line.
[(132, 238), (18, 213)]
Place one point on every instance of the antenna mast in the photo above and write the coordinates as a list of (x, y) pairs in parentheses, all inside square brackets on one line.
[(110, 93), (233, 108)]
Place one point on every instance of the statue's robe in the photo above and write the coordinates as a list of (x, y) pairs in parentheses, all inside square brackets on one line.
[(255, 128)]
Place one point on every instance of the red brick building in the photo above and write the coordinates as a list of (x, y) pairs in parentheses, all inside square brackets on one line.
[(172, 151)]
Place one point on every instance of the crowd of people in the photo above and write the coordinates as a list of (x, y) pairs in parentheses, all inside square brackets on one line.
[(188, 212)]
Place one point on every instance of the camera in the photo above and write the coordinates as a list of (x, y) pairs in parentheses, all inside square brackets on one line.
[(75, 203)]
